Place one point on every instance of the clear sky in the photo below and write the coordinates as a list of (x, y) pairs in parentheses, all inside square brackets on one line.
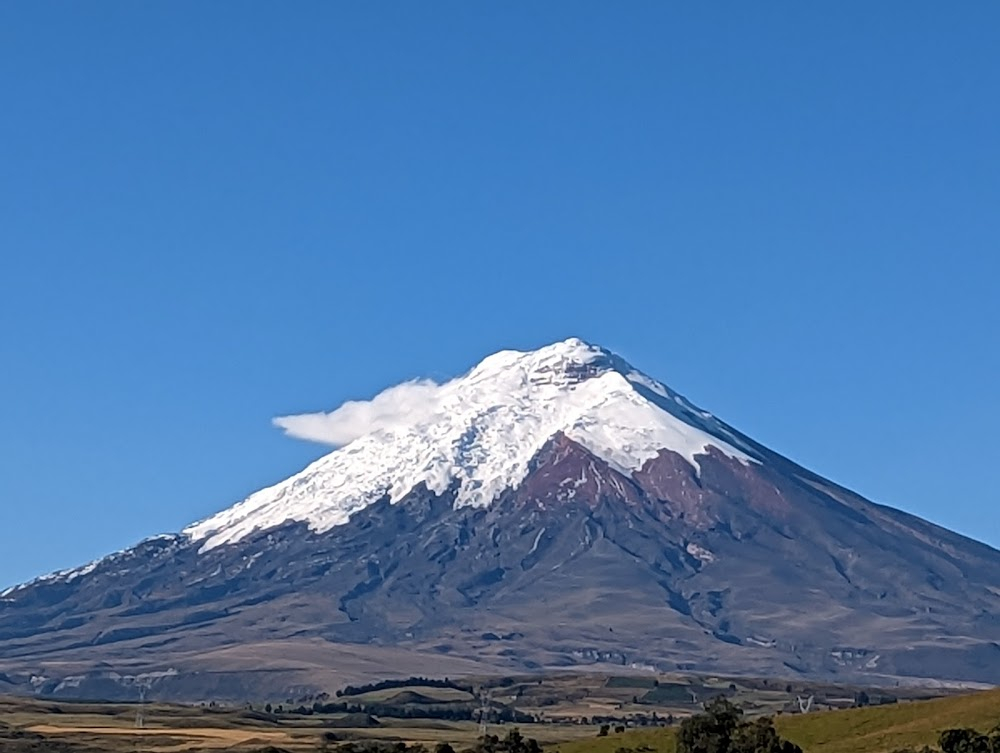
[(215, 213)]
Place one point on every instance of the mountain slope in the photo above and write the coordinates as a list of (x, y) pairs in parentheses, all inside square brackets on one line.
[(553, 508)]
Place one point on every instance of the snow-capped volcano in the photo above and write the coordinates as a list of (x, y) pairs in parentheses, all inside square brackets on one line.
[(554, 508), (480, 431)]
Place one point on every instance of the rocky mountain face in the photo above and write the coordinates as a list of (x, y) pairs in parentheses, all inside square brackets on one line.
[(548, 509)]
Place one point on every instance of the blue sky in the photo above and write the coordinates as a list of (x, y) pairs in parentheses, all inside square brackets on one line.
[(215, 213)]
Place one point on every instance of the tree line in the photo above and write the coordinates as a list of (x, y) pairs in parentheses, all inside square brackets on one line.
[(422, 682), (513, 742), (460, 711)]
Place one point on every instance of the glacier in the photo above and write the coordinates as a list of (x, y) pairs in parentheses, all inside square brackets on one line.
[(479, 432)]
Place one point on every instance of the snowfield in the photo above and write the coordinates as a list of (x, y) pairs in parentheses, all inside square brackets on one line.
[(479, 433)]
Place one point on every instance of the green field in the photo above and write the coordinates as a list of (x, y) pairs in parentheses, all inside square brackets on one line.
[(879, 729), (888, 728)]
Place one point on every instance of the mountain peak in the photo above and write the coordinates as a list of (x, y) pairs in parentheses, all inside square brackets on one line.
[(571, 358), (476, 435)]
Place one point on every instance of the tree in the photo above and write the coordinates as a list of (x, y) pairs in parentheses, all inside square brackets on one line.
[(712, 731), (603, 731), (444, 748), (721, 729), (514, 742), (964, 741), (760, 736), (994, 735)]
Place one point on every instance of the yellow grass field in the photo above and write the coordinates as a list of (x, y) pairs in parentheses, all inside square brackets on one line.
[(110, 728), (888, 728), (879, 729)]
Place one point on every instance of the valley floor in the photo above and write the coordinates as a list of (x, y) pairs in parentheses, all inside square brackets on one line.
[(34, 726)]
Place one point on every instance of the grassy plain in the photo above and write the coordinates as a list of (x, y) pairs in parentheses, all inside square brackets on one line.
[(35, 726), (888, 728), (30, 726), (876, 729)]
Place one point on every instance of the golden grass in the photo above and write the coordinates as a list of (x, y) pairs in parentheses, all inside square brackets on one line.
[(877, 729), (229, 735), (180, 729), (163, 740), (881, 729), (177, 729), (655, 740)]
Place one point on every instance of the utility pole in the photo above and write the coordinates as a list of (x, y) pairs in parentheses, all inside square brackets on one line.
[(485, 707), (140, 714)]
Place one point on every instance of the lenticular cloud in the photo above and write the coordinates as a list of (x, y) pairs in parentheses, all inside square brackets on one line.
[(405, 403)]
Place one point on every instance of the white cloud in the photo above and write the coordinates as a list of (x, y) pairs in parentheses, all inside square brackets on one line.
[(405, 403)]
